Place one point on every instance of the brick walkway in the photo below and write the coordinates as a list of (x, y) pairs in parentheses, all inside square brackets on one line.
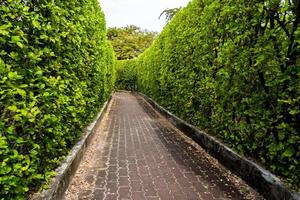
[(143, 157)]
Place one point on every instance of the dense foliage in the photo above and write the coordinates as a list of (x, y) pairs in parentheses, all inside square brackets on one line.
[(130, 41), (126, 75), (232, 68), (56, 70)]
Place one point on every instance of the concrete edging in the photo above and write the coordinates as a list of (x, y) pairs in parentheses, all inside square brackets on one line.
[(266, 183), (66, 171)]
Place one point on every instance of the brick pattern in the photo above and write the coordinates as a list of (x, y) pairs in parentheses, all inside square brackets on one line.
[(146, 158)]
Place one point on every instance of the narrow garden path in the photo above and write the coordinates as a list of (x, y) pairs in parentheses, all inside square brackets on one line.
[(137, 154)]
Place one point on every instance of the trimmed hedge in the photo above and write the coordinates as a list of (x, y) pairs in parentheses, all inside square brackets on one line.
[(126, 75), (232, 68), (56, 71)]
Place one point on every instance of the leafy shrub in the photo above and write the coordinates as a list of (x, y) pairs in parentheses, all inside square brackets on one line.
[(126, 75), (232, 68), (56, 70)]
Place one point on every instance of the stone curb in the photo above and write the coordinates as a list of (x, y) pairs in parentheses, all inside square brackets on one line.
[(267, 184), (66, 171)]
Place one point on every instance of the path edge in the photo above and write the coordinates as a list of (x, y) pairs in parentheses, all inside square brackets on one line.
[(260, 179), (66, 171)]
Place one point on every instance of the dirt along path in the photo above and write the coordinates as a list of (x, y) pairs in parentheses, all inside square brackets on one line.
[(137, 154)]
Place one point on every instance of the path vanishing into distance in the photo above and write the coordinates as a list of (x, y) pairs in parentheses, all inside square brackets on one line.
[(137, 154)]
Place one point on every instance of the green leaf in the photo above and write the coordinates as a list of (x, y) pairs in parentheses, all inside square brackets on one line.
[(289, 152), (2, 66), (13, 108), (4, 169), (20, 140), (14, 76), (20, 45), (294, 111), (36, 24), (4, 32), (21, 92), (15, 39), (5, 26)]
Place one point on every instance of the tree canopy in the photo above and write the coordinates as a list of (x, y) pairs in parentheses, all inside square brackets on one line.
[(169, 13), (130, 41)]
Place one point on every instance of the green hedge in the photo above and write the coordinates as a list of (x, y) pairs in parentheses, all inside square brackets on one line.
[(56, 70), (232, 68), (126, 75)]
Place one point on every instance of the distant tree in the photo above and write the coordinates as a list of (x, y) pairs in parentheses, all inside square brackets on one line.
[(130, 41), (169, 13)]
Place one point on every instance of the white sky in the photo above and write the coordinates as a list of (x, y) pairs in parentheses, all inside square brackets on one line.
[(142, 13)]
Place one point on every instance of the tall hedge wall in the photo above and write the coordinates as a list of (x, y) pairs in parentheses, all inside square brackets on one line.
[(126, 78), (56, 70), (232, 68)]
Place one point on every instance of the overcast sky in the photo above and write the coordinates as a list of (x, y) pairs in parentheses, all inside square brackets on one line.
[(142, 13)]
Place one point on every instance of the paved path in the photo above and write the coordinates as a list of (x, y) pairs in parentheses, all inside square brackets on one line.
[(138, 155)]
